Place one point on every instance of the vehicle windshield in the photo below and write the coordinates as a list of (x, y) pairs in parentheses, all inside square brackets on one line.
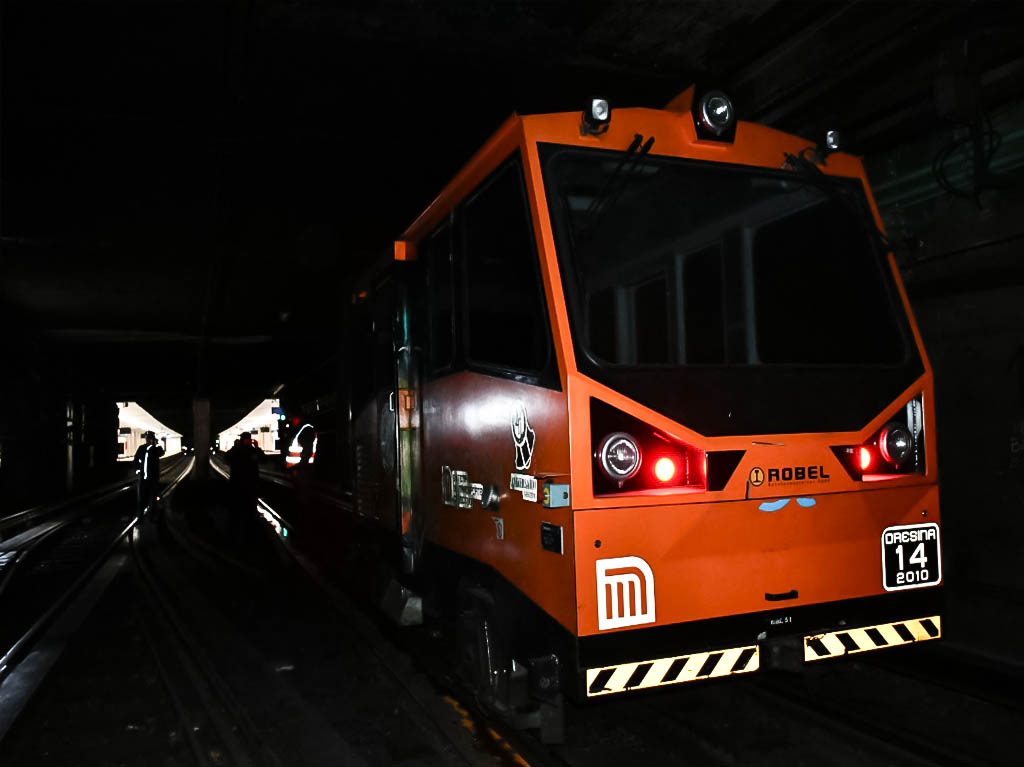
[(672, 264), (680, 263)]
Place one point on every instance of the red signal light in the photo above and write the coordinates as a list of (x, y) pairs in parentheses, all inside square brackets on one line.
[(664, 469), (864, 458), (619, 441)]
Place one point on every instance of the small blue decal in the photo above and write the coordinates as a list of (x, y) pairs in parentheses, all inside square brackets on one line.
[(773, 505), (806, 502)]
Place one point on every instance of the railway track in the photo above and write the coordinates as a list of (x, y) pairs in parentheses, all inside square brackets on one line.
[(905, 703), (434, 699), (708, 723), (217, 729), (666, 735), (963, 673), (45, 598), (225, 696)]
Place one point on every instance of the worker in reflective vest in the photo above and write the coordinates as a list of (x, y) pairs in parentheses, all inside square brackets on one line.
[(147, 469)]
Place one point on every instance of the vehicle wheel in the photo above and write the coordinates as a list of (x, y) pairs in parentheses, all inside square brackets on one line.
[(483, 645), (476, 640)]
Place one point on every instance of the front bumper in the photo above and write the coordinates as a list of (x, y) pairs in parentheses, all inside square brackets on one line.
[(636, 659)]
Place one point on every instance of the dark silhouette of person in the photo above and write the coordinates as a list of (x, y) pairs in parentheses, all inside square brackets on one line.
[(244, 462), (147, 468)]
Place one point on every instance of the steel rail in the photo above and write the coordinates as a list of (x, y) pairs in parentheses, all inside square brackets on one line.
[(9, 659), (207, 554), (274, 477), (983, 680), (461, 737), (38, 540), (213, 692), (489, 739), (892, 738), (19, 518)]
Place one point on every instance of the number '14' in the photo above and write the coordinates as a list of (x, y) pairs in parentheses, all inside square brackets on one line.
[(917, 558)]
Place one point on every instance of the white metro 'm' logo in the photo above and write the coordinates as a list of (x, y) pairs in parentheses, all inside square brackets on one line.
[(625, 593)]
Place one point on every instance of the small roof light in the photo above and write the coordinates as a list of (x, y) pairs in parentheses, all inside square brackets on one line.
[(596, 117), (833, 140), (716, 113), (714, 116)]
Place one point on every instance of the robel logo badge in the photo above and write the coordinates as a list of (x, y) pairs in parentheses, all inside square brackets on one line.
[(757, 476), (625, 593)]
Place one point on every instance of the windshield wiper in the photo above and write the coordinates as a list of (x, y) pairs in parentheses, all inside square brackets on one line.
[(615, 183), (835, 188)]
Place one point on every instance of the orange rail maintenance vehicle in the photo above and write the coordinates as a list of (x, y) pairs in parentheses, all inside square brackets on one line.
[(648, 407)]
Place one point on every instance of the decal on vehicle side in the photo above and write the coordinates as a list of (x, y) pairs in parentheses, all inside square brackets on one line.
[(525, 484), (523, 437), (781, 503), (457, 490), (625, 593)]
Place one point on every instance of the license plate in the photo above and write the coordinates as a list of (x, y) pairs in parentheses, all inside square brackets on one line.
[(911, 557)]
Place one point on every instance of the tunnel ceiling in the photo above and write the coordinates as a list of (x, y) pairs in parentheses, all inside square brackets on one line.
[(189, 186)]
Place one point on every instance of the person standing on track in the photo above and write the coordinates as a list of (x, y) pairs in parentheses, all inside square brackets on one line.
[(244, 462), (147, 468)]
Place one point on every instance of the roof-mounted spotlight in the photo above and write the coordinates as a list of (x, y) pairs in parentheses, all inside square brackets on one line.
[(596, 117), (832, 142), (714, 116)]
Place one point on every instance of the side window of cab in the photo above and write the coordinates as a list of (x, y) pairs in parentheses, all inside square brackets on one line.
[(440, 301), (505, 324)]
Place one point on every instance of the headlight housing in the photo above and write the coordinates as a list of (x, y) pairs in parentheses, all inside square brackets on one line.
[(619, 456), (895, 450), (895, 443)]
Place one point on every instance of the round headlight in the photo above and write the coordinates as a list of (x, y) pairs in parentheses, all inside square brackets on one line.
[(716, 112), (895, 443), (620, 456), (600, 110)]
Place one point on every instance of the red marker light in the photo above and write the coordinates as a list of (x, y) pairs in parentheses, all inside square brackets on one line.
[(865, 459), (664, 469)]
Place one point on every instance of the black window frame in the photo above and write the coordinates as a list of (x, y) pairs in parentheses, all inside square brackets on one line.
[(454, 364), (546, 375)]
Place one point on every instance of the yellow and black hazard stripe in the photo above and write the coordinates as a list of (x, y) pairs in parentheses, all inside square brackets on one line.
[(683, 668), (871, 637)]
